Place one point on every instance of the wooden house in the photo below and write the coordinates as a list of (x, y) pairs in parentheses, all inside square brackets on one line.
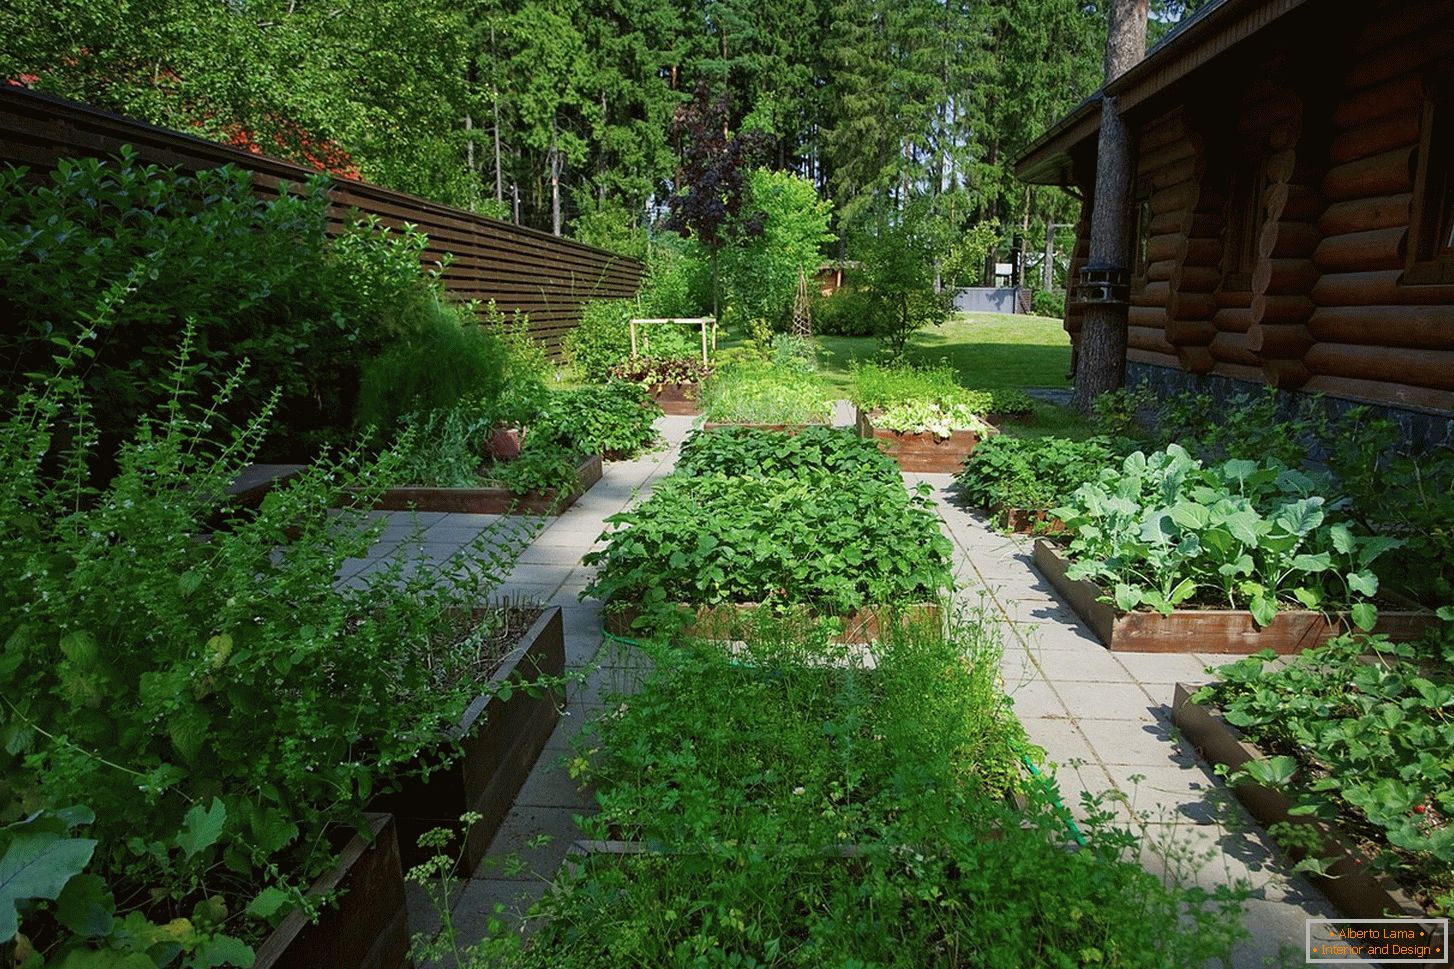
[(1293, 202)]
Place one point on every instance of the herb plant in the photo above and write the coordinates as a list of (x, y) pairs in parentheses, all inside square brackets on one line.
[(1361, 740), (1163, 530), (1030, 473), (225, 707), (616, 420), (753, 393)]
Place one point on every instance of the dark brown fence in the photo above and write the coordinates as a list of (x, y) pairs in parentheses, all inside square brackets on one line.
[(520, 269)]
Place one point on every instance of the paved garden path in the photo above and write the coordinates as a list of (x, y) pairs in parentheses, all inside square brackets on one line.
[(1103, 718)]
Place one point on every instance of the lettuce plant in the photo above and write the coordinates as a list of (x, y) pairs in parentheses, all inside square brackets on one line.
[(1030, 473)]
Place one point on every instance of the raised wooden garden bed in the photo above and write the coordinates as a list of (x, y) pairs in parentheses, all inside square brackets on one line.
[(491, 501), (681, 400), (1208, 630), (498, 741), (1354, 890), (924, 451), (367, 927), (731, 621)]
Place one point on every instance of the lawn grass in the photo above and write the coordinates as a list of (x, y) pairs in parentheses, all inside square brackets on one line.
[(990, 350)]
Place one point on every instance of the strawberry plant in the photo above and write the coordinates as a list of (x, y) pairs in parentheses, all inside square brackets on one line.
[(1364, 741), (616, 420), (815, 451), (833, 544), (1030, 473), (1163, 531)]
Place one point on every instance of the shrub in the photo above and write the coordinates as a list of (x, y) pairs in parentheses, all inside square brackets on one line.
[(601, 339), (828, 543), (1162, 530), (813, 451), (1031, 473), (759, 274), (225, 708), (754, 393), (616, 420), (897, 280), (257, 279), (678, 280), (448, 358), (1048, 302), (846, 312)]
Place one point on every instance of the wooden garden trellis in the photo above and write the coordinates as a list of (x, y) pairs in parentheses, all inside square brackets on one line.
[(702, 322)]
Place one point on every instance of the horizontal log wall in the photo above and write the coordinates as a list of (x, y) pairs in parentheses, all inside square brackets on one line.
[(1325, 307), (544, 277)]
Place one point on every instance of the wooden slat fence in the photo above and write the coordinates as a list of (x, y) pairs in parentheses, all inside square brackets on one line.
[(521, 269)]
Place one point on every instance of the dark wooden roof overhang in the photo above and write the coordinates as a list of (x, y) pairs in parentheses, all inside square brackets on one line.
[(1065, 154)]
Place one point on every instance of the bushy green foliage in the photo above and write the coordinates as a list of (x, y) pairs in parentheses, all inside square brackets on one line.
[(846, 312), (800, 806), (897, 280), (1360, 741), (1164, 530), (538, 470), (757, 393), (1048, 302), (603, 339), (256, 279), (225, 706), (443, 448), (648, 372), (759, 275), (828, 543), (1031, 473), (616, 420), (447, 358), (813, 451), (878, 385), (916, 417), (678, 280)]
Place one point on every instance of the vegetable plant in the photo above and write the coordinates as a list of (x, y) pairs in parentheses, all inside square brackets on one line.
[(813, 451), (1357, 730), (942, 421), (754, 393), (1030, 473), (832, 544), (616, 420), (226, 708), (1164, 530), (649, 372)]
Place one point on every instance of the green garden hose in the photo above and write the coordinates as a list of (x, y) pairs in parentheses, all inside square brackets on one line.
[(1054, 793)]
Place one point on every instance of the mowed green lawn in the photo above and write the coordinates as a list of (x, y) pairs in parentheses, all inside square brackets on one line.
[(990, 350)]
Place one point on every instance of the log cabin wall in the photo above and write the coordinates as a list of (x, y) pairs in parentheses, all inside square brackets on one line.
[(1276, 192)]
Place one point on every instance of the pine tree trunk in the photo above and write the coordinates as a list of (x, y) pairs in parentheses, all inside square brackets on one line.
[(1100, 364)]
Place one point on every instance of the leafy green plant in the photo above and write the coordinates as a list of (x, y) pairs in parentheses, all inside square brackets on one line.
[(616, 420), (759, 274), (845, 313), (537, 470), (1031, 473), (1010, 401), (227, 706), (443, 448), (877, 385), (648, 372), (812, 452), (831, 544), (1162, 530), (1358, 730), (256, 279), (755, 393), (924, 418), (449, 358), (602, 340)]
